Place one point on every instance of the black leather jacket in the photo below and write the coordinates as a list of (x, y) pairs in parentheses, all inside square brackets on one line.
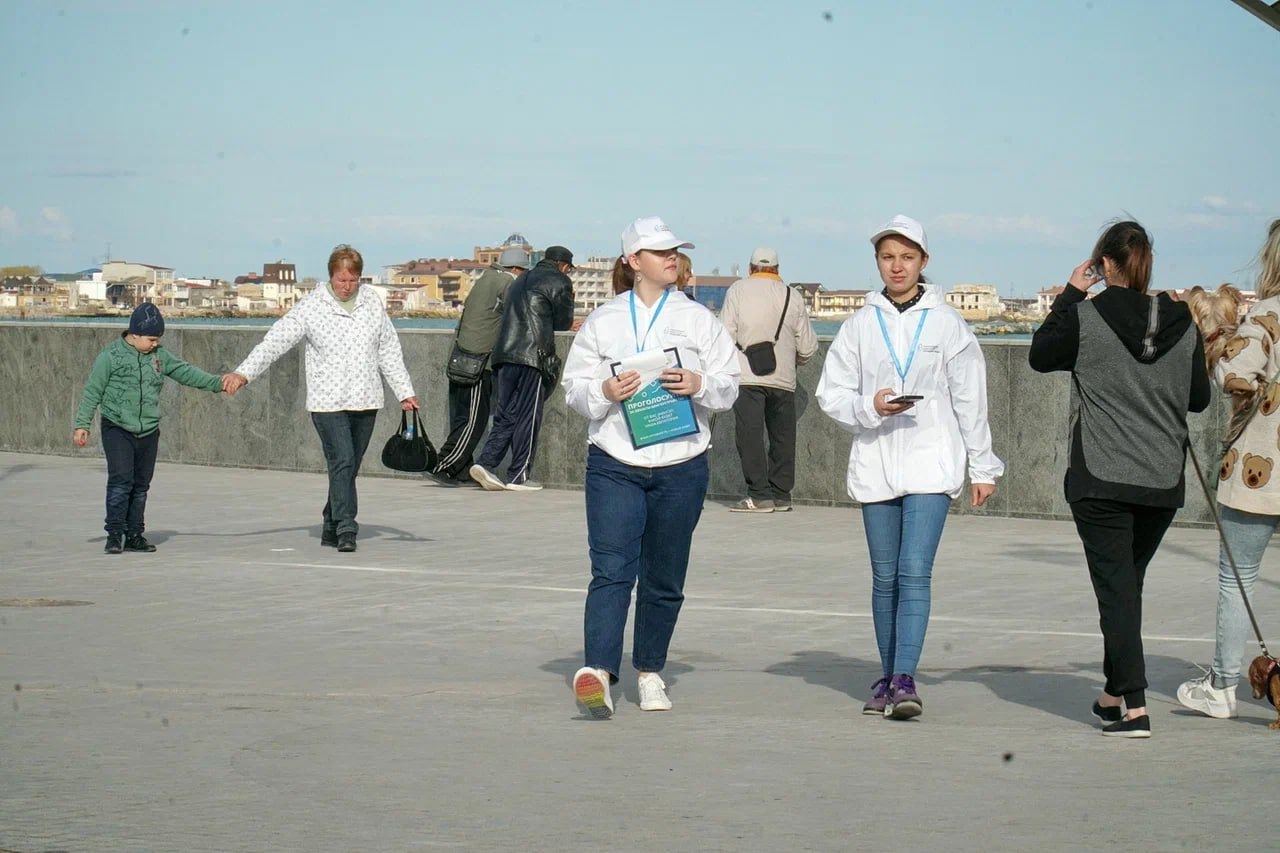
[(539, 304)]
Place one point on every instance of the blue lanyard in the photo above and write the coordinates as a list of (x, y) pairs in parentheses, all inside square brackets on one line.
[(915, 343), (635, 326)]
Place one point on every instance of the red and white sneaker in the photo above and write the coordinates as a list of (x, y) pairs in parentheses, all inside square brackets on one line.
[(591, 689)]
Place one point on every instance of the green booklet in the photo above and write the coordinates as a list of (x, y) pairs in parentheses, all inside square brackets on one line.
[(653, 413)]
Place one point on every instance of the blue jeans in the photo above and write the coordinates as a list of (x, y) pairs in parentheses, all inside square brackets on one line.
[(902, 536), (344, 437), (131, 461), (640, 522), (1247, 535)]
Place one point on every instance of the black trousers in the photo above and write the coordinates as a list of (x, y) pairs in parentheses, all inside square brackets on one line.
[(516, 422), (770, 474), (1119, 541), (468, 417), (131, 462)]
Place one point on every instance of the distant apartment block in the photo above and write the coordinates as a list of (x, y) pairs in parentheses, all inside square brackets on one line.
[(143, 282), (975, 301), (836, 303), (592, 283), (434, 282)]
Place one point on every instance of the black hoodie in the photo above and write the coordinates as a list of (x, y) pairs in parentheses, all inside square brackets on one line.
[(1137, 365)]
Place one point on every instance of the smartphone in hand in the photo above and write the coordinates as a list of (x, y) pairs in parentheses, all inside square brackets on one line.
[(906, 398)]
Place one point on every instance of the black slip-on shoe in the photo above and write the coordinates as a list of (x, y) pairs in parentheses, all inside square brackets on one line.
[(346, 542), (115, 543), (329, 538), (1137, 727), (1107, 715), (139, 543)]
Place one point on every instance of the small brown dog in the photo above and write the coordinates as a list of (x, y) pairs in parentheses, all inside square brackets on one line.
[(1264, 678)]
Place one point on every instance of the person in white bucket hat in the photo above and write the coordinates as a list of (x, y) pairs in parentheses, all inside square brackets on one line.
[(906, 376), (646, 457)]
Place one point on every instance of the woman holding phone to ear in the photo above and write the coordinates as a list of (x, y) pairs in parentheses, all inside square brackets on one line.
[(1137, 367), (909, 457)]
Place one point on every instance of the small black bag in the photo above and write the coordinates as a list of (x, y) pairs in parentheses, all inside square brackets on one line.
[(465, 368), (760, 356), (409, 449)]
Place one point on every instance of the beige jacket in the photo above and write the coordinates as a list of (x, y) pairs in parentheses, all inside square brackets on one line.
[(1249, 479), (750, 313)]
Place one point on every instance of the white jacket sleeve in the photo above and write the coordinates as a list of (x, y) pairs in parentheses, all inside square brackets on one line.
[(967, 382), (585, 371), (391, 360), (840, 392), (720, 369), (283, 335)]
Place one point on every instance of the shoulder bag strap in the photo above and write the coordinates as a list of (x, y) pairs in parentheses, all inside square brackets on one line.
[(785, 305)]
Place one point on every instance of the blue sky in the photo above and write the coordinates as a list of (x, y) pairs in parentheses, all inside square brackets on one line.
[(212, 138)]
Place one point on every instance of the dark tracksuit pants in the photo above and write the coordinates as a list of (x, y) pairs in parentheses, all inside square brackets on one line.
[(1119, 541), (468, 417), (759, 410), (516, 421), (131, 462)]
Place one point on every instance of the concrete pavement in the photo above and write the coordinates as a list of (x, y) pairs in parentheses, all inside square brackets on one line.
[(244, 689)]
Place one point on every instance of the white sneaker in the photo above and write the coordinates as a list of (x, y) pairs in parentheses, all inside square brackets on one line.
[(1199, 694), (653, 693), (525, 486), (486, 478), (591, 688), (752, 505)]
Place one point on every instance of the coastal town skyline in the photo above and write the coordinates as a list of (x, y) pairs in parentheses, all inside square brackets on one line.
[(1013, 132)]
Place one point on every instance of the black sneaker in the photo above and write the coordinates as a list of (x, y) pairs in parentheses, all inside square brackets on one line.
[(138, 542), (115, 543), (1107, 715), (329, 537), (346, 542), (1137, 727)]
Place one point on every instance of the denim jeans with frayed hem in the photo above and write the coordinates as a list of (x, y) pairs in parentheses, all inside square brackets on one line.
[(344, 437), (1247, 534), (902, 537), (640, 522), (131, 462)]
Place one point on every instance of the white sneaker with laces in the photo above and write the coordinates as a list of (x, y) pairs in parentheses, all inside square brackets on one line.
[(591, 689), (524, 486), (653, 693), (1199, 694)]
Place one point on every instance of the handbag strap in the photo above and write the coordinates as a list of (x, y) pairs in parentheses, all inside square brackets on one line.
[(403, 422), (785, 305), (1253, 410)]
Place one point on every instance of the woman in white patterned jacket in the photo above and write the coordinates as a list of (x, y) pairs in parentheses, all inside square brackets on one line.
[(350, 347)]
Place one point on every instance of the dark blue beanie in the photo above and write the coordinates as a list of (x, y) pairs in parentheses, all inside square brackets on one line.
[(146, 321)]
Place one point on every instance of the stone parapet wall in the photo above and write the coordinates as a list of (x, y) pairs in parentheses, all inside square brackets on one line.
[(43, 367)]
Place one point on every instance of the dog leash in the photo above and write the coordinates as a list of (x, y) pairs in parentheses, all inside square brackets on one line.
[(1226, 548)]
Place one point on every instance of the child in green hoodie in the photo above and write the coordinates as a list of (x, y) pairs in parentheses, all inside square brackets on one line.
[(125, 383)]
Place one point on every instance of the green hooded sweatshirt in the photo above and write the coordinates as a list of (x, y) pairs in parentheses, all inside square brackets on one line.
[(126, 384)]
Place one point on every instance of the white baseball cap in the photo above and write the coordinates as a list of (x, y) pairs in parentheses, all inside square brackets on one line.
[(904, 226), (764, 257), (650, 232)]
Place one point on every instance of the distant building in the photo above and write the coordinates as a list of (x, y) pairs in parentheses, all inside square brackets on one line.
[(146, 282), (710, 290), (592, 283), (838, 303), (1045, 297), (810, 291), (488, 255), (975, 301), (438, 281)]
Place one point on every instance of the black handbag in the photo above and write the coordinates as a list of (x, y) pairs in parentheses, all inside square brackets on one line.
[(760, 356), (409, 449), (465, 368)]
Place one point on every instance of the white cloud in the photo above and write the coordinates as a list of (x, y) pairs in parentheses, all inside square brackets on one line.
[(52, 222), (8, 221), (1215, 212), (979, 226)]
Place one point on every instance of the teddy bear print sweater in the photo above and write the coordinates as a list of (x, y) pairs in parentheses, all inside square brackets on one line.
[(1249, 480)]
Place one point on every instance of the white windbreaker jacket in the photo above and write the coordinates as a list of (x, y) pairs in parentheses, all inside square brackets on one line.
[(607, 336), (924, 449), (344, 352)]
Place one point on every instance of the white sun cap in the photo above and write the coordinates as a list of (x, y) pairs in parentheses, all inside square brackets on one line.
[(903, 226), (650, 232)]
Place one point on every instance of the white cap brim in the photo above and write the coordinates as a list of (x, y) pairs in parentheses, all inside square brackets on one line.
[(661, 245)]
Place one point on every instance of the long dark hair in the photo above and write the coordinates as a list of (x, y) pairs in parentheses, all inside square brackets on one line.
[(1129, 248), (624, 277)]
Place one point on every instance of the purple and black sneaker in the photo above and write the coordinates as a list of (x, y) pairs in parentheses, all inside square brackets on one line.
[(879, 698), (904, 702)]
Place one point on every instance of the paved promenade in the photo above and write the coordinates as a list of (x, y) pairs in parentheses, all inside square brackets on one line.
[(244, 689)]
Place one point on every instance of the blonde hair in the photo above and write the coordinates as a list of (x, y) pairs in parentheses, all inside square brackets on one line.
[(1217, 315), (346, 257), (684, 270), (1269, 263)]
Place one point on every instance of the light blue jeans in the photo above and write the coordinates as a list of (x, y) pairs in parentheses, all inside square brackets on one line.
[(902, 536), (1247, 535)]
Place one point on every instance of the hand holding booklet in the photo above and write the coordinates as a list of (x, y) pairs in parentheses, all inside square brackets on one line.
[(653, 414)]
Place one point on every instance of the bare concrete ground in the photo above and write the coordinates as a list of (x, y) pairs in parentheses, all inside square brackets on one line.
[(245, 689)]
